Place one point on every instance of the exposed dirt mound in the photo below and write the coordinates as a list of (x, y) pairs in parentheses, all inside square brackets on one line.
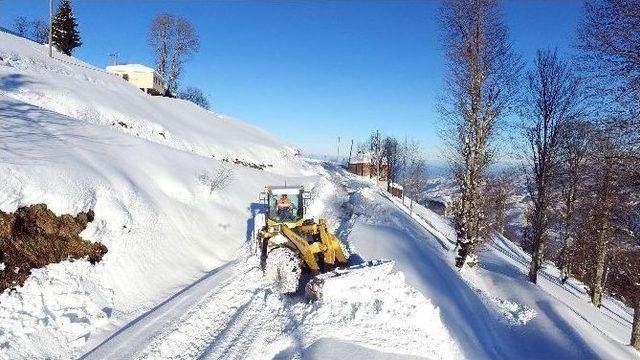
[(34, 237)]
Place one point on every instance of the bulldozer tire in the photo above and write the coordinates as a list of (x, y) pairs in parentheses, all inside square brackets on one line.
[(284, 268)]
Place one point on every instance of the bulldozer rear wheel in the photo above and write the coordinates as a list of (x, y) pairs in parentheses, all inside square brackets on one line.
[(284, 268)]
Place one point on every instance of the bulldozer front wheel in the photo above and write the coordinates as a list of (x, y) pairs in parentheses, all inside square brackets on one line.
[(284, 268)]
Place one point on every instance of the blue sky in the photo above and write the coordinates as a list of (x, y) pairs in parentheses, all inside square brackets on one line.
[(311, 71)]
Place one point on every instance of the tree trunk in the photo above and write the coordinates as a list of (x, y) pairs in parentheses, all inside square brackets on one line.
[(566, 263), (597, 289), (539, 226), (605, 276), (635, 330), (536, 261)]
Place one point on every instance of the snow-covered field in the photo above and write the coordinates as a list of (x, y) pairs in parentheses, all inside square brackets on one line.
[(179, 280)]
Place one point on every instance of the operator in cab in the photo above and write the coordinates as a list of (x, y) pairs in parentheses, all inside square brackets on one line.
[(285, 208)]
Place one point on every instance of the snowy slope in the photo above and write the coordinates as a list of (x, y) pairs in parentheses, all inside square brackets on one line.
[(70, 87), (493, 312)]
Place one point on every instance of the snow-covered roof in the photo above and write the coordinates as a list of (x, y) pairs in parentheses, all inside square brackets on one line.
[(279, 190), (362, 158), (130, 67), (366, 157), (396, 186)]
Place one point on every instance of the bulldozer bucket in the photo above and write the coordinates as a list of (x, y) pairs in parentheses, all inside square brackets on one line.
[(340, 278)]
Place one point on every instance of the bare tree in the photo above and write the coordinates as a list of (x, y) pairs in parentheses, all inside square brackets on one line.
[(161, 39), (635, 331), (497, 192), (412, 171), (574, 146), (40, 31), (553, 99), (20, 25), (391, 151), (482, 75), (608, 43), (194, 95), (634, 277), (608, 201), (174, 41), (187, 43), (218, 180)]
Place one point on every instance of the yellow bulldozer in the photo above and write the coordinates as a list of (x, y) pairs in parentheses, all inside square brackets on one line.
[(288, 244)]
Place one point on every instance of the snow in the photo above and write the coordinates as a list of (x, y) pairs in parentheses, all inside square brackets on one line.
[(66, 297), (363, 157), (246, 317), (366, 157), (283, 266), (396, 186), (179, 280)]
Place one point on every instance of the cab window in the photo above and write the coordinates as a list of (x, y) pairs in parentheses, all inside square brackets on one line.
[(284, 207)]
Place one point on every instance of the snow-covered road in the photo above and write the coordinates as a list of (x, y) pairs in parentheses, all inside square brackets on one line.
[(235, 312), (132, 337)]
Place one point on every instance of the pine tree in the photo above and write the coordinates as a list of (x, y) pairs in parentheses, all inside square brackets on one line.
[(65, 33)]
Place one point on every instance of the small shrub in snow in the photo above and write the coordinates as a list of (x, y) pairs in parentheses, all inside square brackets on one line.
[(194, 95), (217, 181)]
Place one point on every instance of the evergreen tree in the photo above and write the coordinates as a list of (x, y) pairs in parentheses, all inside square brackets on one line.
[(65, 33)]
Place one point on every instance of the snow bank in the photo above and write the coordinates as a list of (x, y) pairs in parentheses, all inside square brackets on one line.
[(365, 297), (510, 312), (58, 307), (70, 87)]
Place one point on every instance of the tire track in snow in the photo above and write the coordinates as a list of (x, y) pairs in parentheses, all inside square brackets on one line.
[(197, 331), (242, 324)]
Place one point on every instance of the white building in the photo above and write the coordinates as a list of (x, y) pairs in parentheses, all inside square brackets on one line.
[(142, 77)]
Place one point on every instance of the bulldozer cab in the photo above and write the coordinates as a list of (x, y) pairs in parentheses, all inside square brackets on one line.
[(285, 204)]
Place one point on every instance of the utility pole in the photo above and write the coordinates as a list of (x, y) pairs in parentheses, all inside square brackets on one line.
[(350, 151), (50, 28), (378, 160), (114, 57)]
